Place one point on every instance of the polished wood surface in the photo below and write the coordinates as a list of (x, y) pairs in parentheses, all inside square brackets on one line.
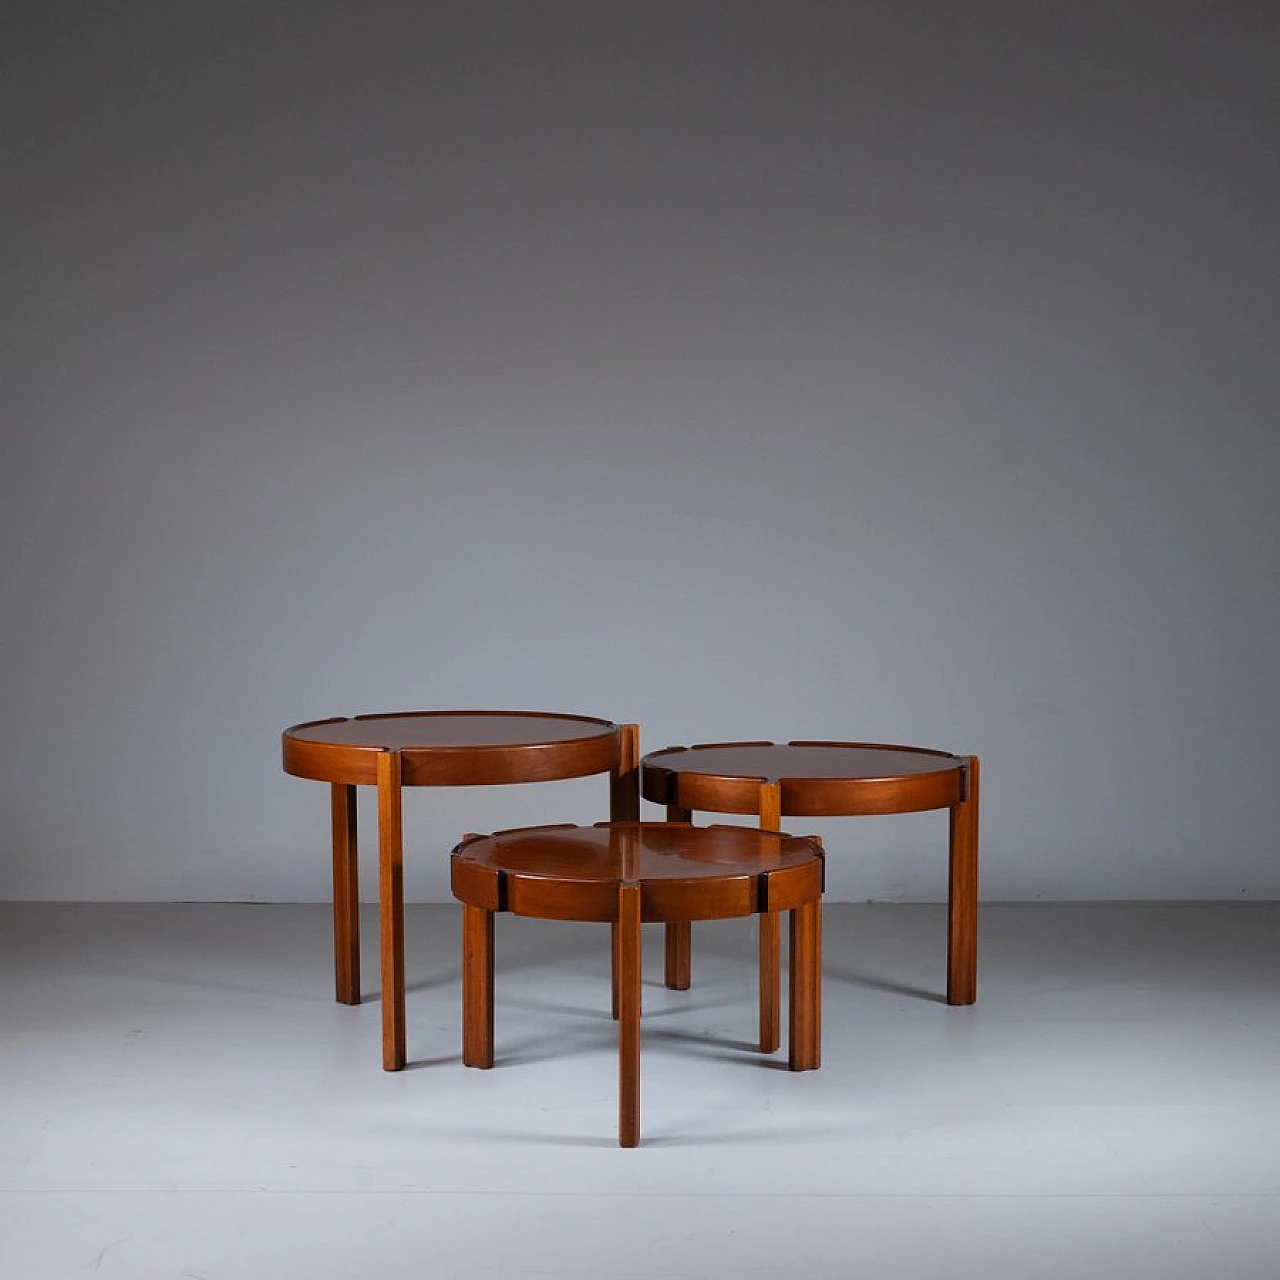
[(437, 748), (571, 873), (453, 748), (626, 873), (804, 1001), (346, 895), (624, 786), (962, 894), (770, 810), (629, 916), (830, 779), (678, 957), (817, 779), (391, 909), (477, 986), (624, 806)]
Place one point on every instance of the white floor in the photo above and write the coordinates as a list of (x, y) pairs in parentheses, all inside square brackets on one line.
[(181, 1097)]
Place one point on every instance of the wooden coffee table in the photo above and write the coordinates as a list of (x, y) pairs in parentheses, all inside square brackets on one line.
[(821, 780), (435, 749), (626, 873)]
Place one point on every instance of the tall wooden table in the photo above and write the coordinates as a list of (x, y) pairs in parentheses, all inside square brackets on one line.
[(822, 780), (436, 749)]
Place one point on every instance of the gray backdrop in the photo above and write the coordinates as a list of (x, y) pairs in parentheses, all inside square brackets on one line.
[(898, 371)]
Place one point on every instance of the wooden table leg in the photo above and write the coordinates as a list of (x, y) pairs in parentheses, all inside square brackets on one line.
[(629, 1019), (624, 779), (624, 806), (615, 958), (805, 998), (679, 933), (346, 895), (678, 968), (477, 986), (962, 895), (391, 909), (770, 935)]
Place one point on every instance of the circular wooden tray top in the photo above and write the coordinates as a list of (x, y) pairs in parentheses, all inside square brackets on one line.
[(818, 779), (453, 748), (684, 872)]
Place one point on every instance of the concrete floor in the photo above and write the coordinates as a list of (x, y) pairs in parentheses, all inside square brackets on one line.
[(181, 1097)]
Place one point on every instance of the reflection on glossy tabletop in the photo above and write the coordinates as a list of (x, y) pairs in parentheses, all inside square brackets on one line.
[(642, 851), (625, 874), (802, 760), (399, 729)]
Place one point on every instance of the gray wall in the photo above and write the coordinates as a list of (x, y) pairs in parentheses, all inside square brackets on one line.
[(892, 371)]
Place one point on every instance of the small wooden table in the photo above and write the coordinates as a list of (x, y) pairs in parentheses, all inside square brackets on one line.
[(626, 873), (820, 780), (435, 749)]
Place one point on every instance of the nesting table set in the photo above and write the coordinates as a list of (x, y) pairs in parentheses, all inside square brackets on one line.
[(626, 872)]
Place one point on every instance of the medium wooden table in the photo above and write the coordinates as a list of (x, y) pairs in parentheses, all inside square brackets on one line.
[(435, 749), (626, 873), (821, 780)]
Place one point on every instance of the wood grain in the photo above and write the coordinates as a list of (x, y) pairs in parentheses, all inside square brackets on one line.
[(391, 909), (438, 748), (834, 779), (769, 806), (629, 1015), (624, 806), (624, 778), (962, 895), (678, 942), (477, 987), (627, 873), (453, 748), (818, 779), (346, 895), (804, 1036)]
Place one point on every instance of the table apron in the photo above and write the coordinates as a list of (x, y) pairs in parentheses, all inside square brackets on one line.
[(808, 797), (455, 767)]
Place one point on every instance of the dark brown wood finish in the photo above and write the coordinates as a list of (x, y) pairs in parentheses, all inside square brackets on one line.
[(628, 873), (770, 809), (818, 779), (436, 748), (678, 960), (624, 806), (833, 779), (454, 748), (624, 780), (391, 908), (962, 894), (628, 1014), (477, 986), (805, 998), (346, 895)]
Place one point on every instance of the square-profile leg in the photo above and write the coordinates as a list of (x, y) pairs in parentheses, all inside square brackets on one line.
[(962, 894), (629, 1015), (346, 895), (477, 986), (624, 806), (391, 909), (770, 936), (678, 969), (805, 995)]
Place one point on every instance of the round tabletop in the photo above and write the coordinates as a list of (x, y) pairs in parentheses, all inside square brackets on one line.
[(453, 748), (816, 779), (685, 872)]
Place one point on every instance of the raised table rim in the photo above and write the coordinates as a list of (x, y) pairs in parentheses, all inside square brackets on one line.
[(596, 750)]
